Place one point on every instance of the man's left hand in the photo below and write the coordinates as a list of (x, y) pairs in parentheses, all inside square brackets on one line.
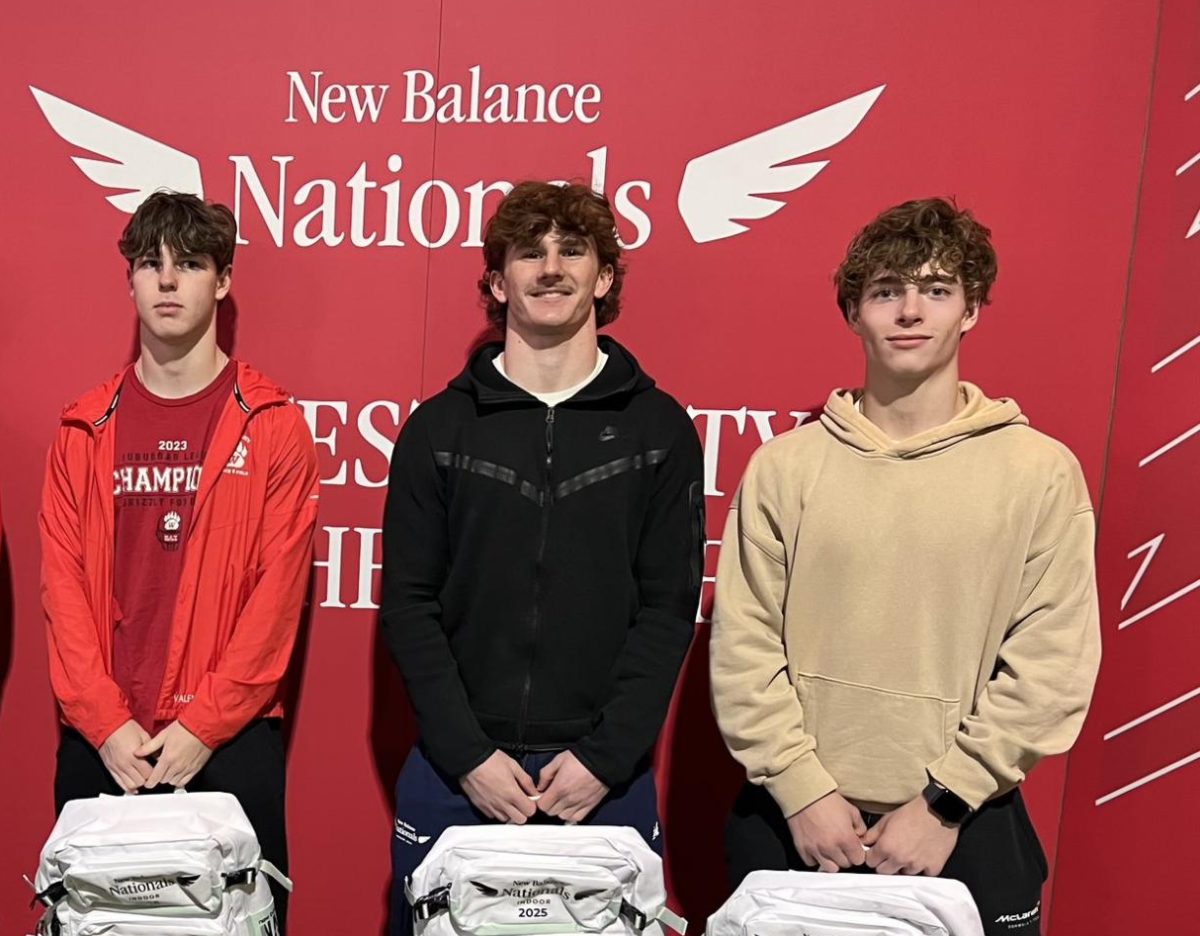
[(181, 755), (568, 790), (910, 840)]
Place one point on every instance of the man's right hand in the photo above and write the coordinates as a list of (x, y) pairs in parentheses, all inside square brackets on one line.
[(826, 833), (129, 770), (501, 790)]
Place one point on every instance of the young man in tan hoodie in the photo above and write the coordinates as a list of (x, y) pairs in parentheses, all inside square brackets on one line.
[(906, 616)]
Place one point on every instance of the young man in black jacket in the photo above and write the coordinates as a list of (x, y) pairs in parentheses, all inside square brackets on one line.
[(542, 550)]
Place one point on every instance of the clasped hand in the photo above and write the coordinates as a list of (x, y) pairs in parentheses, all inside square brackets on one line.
[(831, 835), (128, 753), (500, 789)]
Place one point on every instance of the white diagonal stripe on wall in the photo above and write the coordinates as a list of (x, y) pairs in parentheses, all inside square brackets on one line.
[(1170, 445), (1149, 778), (1159, 605), (1178, 352), (1191, 94), (1142, 719), (1188, 165), (1152, 545)]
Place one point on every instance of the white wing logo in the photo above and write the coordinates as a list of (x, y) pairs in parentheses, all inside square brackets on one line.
[(133, 163), (728, 183), (717, 188)]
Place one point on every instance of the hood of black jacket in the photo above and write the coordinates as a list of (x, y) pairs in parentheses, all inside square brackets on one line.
[(621, 376)]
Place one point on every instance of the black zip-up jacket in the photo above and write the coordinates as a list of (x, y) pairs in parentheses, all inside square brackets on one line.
[(542, 565)]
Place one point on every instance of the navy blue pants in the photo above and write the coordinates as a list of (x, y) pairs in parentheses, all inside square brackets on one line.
[(428, 802)]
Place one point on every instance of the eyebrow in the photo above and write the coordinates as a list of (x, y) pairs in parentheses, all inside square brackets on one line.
[(893, 279)]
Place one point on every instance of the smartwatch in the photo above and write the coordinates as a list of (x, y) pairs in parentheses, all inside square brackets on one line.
[(946, 804)]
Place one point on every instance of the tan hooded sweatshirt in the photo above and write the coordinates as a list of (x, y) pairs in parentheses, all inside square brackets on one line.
[(886, 608)]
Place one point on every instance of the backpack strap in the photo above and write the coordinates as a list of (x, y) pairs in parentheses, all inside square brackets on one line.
[(51, 896), (49, 924), (639, 921), (247, 876), (275, 874), (672, 920)]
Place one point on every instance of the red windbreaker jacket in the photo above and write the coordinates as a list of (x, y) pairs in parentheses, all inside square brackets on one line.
[(246, 565)]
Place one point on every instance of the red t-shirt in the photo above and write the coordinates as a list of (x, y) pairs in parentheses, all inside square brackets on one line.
[(160, 447)]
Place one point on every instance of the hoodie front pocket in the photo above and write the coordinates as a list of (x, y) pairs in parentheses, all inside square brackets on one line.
[(875, 742)]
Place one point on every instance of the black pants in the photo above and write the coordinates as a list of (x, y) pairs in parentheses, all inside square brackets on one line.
[(250, 766), (998, 856)]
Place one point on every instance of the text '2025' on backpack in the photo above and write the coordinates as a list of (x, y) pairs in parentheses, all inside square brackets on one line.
[(508, 880), (788, 903), (187, 864)]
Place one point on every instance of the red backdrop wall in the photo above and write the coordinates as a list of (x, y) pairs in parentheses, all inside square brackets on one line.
[(1132, 778), (355, 288)]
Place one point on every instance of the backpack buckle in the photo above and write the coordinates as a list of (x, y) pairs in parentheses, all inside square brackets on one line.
[(432, 904), (634, 916)]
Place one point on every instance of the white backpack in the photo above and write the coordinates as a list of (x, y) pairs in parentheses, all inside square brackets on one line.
[(786, 903), (497, 880), (168, 865)]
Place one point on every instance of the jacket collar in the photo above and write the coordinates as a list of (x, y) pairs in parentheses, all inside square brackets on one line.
[(251, 389), (622, 376)]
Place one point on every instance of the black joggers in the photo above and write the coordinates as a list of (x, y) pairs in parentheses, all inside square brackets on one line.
[(250, 766), (998, 856)]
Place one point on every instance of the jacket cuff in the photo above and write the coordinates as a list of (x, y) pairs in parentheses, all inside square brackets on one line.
[(801, 784), (212, 738), (965, 777), (605, 773), (98, 736), (474, 762), (458, 760)]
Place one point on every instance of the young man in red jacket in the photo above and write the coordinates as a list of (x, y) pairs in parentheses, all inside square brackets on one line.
[(177, 525)]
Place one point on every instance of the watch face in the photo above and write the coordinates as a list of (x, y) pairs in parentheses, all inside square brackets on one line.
[(944, 803), (949, 806)]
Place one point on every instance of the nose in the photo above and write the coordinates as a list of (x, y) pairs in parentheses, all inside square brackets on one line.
[(168, 276), (551, 264), (910, 308)]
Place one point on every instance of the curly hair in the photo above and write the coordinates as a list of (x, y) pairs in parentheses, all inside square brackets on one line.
[(185, 223), (903, 239), (533, 209)]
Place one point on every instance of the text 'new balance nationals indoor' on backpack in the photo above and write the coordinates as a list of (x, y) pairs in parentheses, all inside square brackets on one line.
[(186, 864), (501, 880), (787, 903)]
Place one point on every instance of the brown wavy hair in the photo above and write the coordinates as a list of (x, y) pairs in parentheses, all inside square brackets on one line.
[(185, 223), (903, 239), (533, 209)]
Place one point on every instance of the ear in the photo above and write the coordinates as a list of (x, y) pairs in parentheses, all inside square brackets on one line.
[(969, 320), (853, 322), (496, 284), (603, 282), (224, 282)]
